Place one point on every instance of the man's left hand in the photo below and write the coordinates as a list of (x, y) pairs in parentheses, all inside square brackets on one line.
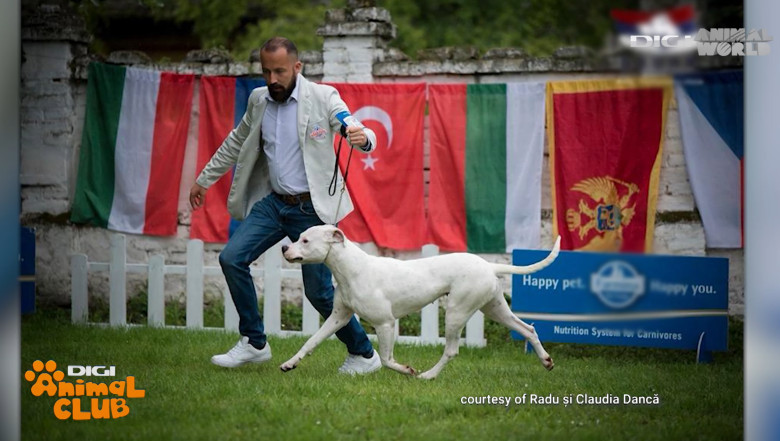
[(356, 136)]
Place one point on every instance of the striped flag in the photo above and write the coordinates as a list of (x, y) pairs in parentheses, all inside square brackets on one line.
[(606, 141), (711, 109), (222, 104), (132, 148), (487, 143)]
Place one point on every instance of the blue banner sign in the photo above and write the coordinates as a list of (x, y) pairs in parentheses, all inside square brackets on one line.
[(625, 299)]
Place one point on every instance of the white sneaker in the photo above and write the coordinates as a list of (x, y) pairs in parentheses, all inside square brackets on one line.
[(359, 365), (242, 353)]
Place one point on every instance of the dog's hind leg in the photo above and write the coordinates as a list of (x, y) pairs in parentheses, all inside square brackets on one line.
[(386, 335), (454, 322), (498, 310)]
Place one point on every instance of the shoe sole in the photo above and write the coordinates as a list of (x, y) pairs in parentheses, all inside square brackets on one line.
[(216, 363), (371, 370)]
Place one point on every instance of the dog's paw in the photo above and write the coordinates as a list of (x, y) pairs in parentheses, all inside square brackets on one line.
[(548, 363), (288, 366), (426, 376)]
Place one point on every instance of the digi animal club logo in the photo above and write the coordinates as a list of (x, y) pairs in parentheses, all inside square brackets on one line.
[(599, 220), (81, 400)]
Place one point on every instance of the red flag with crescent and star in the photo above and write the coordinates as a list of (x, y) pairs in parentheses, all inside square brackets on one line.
[(387, 184)]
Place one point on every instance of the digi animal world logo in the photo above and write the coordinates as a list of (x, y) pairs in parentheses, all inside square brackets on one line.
[(82, 400)]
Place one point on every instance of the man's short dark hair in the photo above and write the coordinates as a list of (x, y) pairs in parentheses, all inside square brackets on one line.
[(272, 44)]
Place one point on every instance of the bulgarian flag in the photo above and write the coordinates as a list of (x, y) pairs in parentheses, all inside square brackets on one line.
[(606, 139), (132, 148), (222, 103), (487, 143), (386, 185)]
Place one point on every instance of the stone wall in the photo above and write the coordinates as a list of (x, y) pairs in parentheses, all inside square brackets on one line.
[(355, 49)]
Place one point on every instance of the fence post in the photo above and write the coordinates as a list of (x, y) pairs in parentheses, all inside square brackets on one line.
[(429, 316), (475, 330), (117, 278), (156, 291), (231, 314), (311, 318), (79, 297), (272, 290), (195, 283)]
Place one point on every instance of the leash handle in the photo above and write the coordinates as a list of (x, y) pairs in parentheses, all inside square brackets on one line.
[(334, 180)]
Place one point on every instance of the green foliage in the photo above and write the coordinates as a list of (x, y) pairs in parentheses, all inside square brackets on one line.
[(214, 21), (296, 20), (538, 26)]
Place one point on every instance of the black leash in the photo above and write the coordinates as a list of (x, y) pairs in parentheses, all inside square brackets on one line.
[(334, 180)]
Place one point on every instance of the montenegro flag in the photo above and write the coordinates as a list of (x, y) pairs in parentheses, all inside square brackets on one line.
[(606, 139)]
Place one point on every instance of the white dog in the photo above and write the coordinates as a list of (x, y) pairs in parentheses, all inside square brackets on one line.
[(381, 290)]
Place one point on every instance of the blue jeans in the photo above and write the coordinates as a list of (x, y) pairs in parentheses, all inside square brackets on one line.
[(269, 222)]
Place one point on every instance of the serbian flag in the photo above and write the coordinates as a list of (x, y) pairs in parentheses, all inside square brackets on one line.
[(132, 148), (711, 109), (680, 21), (386, 185), (487, 143), (222, 104), (606, 139)]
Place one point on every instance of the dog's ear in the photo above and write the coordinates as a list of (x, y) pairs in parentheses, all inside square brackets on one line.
[(337, 236)]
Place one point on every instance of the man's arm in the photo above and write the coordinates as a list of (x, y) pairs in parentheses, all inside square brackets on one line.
[(223, 159)]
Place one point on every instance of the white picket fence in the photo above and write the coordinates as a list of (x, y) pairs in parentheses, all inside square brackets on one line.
[(194, 271)]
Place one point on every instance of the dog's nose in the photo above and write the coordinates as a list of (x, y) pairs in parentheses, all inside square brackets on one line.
[(284, 248)]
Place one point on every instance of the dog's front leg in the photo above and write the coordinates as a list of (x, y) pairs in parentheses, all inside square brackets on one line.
[(386, 335), (338, 318)]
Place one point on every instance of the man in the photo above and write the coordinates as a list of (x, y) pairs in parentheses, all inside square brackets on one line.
[(283, 155)]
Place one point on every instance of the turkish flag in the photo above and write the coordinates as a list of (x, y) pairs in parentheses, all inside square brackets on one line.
[(387, 184)]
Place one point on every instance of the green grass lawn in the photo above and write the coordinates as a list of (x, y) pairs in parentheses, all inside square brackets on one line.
[(187, 398)]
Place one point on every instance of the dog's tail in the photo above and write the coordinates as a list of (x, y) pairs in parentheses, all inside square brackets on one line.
[(528, 269)]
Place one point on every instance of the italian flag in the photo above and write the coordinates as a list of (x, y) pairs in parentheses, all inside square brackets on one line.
[(487, 143), (132, 149)]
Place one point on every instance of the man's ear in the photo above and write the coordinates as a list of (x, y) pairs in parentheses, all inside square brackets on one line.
[(337, 236)]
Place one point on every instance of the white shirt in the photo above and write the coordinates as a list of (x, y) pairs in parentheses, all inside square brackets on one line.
[(281, 146)]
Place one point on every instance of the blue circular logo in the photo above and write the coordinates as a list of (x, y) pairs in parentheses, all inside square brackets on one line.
[(617, 284)]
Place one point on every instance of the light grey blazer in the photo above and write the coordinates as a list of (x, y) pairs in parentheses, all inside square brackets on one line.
[(318, 106)]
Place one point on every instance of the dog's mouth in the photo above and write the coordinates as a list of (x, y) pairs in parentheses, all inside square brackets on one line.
[(294, 259)]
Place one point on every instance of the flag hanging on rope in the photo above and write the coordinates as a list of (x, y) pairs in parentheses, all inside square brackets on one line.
[(132, 148), (386, 185), (487, 143), (711, 109), (222, 104), (606, 139)]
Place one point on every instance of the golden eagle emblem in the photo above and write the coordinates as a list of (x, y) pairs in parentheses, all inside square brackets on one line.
[(610, 215)]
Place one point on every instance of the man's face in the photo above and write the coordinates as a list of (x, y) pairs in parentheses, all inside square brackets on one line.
[(280, 70)]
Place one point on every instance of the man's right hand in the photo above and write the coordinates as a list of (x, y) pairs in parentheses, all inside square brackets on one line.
[(197, 196)]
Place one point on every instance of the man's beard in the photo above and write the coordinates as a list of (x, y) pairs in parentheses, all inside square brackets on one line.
[(279, 93)]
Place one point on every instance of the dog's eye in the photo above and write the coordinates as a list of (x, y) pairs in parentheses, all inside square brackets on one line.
[(305, 240)]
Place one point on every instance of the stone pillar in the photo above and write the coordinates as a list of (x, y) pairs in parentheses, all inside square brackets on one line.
[(54, 57), (355, 38)]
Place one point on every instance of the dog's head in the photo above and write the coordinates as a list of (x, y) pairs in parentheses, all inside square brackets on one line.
[(313, 245)]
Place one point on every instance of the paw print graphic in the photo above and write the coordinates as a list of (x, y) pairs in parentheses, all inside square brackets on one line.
[(45, 381)]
